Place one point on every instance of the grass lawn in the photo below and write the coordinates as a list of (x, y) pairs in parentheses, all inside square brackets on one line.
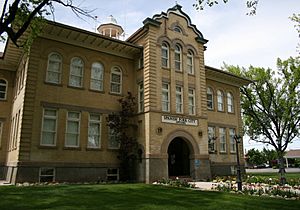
[(131, 196)]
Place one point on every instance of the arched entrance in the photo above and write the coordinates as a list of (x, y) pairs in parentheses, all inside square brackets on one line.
[(178, 158)]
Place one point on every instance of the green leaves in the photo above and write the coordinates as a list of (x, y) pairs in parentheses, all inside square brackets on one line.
[(270, 105)]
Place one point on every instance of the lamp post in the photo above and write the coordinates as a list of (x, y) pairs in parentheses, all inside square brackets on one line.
[(238, 139)]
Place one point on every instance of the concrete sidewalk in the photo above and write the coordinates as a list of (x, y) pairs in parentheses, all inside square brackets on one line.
[(4, 183), (203, 185)]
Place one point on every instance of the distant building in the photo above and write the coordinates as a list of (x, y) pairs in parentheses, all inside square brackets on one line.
[(54, 102)]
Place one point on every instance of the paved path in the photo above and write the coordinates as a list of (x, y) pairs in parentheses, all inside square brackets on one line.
[(203, 185), (4, 183), (271, 170)]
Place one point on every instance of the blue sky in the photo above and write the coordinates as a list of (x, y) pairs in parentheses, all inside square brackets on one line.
[(234, 38)]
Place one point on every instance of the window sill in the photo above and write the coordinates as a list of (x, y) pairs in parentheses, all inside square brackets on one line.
[(53, 84), (223, 153), (71, 148), (166, 68), (47, 147), (79, 88), (97, 91), (115, 94), (191, 74), (93, 149), (113, 149), (179, 71)]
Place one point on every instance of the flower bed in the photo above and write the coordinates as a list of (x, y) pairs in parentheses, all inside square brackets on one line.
[(259, 189)]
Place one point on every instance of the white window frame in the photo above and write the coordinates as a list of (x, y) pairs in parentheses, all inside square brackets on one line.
[(3, 83), (70, 119), (97, 80), (210, 98), (232, 140), (179, 99), (178, 57), (222, 137), (141, 97), (191, 97), (165, 48), (97, 122), (111, 135), (190, 62), (110, 175), (165, 91), (230, 106), (211, 133), (116, 71), (51, 117), (220, 100), (72, 75), (57, 59)]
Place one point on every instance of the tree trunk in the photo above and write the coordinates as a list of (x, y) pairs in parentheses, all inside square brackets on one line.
[(282, 170)]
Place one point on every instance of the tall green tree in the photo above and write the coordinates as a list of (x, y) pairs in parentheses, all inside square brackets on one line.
[(270, 105), (270, 155), (20, 15), (255, 157)]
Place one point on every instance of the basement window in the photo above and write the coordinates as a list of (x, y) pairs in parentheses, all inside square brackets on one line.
[(47, 174), (112, 174)]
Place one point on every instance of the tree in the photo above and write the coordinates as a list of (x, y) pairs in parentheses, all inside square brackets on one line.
[(255, 157), (21, 15), (271, 156), (121, 125), (251, 5), (270, 105)]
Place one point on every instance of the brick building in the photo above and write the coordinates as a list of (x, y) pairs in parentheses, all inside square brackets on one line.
[(54, 101)]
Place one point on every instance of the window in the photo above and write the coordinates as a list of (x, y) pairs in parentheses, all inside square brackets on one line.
[(222, 136), (112, 174), (47, 174), (141, 97), (192, 101), (1, 129), (94, 138), (210, 99), (97, 77), (115, 80), (165, 97), (164, 55), (220, 98), (211, 139), (232, 140), (177, 29), (73, 128), (113, 141), (54, 68), (49, 127), (178, 57), (3, 89), (179, 99), (230, 107), (76, 72), (190, 62)]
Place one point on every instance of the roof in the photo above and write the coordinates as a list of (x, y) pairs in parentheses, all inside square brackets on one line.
[(293, 154), (225, 77)]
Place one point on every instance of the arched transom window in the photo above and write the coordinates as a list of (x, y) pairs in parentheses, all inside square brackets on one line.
[(97, 71), (54, 68)]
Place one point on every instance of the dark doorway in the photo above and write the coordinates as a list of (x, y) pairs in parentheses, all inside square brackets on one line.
[(179, 162)]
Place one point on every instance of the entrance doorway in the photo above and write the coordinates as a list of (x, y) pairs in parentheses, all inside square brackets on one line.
[(179, 161)]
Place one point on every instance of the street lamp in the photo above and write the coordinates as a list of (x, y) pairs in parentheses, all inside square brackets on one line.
[(238, 139)]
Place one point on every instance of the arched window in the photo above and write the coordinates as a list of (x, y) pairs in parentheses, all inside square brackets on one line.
[(178, 57), (210, 99), (97, 76), (3, 89), (165, 55), (76, 72), (190, 62), (230, 107), (220, 98), (54, 68), (177, 29), (116, 80)]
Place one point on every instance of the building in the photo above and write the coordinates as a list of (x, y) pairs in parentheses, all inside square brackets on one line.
[(54, 101)]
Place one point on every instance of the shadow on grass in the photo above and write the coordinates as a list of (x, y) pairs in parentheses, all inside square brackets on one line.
[(131, 196)]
